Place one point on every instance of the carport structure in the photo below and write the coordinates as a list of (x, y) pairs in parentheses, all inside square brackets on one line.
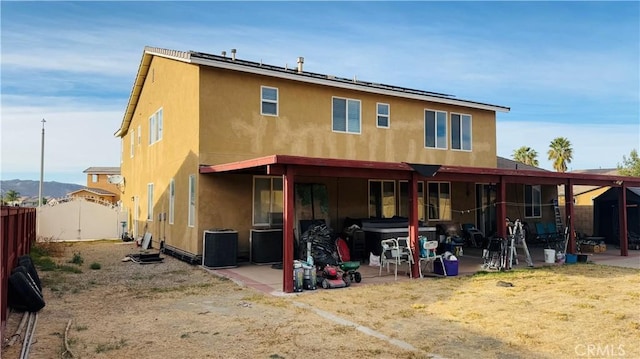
[(290, 167)]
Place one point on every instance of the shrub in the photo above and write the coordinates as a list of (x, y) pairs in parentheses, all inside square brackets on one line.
[(95, 265), (77, 259)]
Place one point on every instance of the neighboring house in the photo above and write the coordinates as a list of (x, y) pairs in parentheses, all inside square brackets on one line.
[(95, 195), (212, 142), (583, 197), (99, 187)]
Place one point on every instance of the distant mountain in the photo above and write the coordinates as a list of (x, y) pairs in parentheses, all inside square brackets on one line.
[(29, 188)]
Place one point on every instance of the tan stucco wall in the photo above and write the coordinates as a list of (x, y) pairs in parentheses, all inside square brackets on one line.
[(172, 86), (232, 127), (212, 117)]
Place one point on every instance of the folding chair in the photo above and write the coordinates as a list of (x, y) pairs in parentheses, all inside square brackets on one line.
[(428, 255), (396, 251)]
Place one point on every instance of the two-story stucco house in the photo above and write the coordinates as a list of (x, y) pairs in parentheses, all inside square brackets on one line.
[(213, 141), (99, 188)]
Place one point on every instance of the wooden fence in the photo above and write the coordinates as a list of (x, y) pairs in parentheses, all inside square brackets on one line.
[(18, 233)]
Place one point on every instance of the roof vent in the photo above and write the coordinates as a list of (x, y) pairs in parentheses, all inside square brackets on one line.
[(300, 62), (224, 54), (233, 54)]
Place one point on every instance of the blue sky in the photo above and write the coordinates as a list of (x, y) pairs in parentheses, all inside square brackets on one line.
[(565, 68)]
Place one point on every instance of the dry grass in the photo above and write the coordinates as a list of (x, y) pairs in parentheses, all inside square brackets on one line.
[(550, 312), (173, 310)]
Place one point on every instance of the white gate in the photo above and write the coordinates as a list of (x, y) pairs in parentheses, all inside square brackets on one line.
[(74, 219)]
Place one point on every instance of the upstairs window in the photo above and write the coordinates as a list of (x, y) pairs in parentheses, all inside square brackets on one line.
[(155, 127), (346, 115), (269, 101), (383, 115), (532, 201), (132, 143), (435, 129), (460, 132)]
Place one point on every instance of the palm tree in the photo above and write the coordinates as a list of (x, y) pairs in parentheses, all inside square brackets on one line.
[(11, 196), (526, 155), (561, 153)]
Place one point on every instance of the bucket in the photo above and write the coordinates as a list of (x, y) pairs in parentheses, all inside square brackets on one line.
[(582, 258), (571, 258), (549, 255)]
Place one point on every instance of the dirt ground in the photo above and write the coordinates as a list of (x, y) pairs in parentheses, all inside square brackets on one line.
[(175, 310)]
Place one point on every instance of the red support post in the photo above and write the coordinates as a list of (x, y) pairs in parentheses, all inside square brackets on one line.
[(413, 224), (569, 209), (288, 225), (622, 215), (501, 208)]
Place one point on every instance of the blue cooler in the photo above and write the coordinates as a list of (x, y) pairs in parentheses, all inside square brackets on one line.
[(450, 266)]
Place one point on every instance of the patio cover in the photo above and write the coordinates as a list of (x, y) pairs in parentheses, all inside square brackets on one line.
[(291, 166)]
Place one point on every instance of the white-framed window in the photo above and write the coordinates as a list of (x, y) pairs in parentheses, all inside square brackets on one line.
[(382, 199), (155, 127), (172, 200), (532, 201), (94, 178), (136, 211), (267, 198), (268, 101), (435, 129), (150, 202), (345, 115), (439, 201), (461, 132), (192, 201), (160, 124), (133, 142), (403, 209), (139, 134), (383, 114)]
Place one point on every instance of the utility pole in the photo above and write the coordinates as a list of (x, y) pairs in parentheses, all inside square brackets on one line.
[(41, 175)]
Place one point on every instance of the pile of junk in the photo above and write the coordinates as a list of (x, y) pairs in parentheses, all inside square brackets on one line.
[(326, 261)]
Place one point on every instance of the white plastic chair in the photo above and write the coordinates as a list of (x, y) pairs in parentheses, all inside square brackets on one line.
[(396, 251), (431, 256)]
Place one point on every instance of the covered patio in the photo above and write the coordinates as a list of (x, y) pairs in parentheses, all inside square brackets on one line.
[(268, 280), (291, 167)]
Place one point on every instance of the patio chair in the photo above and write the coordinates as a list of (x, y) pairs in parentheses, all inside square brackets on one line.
[(396, 251), (541, 233), (472, 234), (428, 255)]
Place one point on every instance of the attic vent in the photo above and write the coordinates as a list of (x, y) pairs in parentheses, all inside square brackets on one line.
[(233, 54), (224, 54)]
